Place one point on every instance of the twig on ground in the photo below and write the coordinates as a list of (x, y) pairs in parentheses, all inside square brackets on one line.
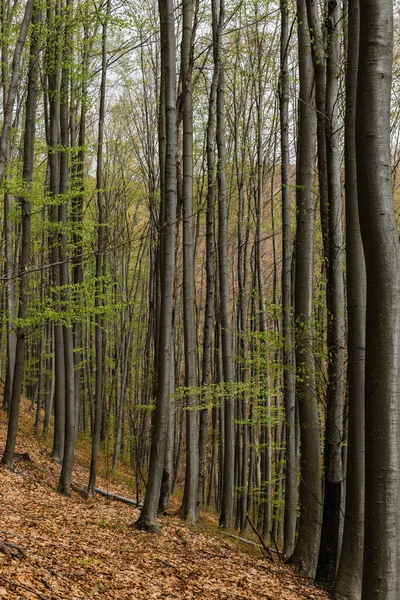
[(11, 533), (263, 544), (109, 495), (276, 546), (8, 545), (24, 587)]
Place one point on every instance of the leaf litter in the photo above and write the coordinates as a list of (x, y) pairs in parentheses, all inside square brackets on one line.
[(52, 547)]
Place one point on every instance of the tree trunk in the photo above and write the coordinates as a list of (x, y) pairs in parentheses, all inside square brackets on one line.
[(99, 283), (381, 573), (328, 555), (226, 341), (64, 485), (287, 310), (148, 515), (25, 204), (306, 550), (348, 580), (210, 274), (190, 495)]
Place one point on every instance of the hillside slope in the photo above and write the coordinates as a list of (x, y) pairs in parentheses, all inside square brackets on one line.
[(55, 547)]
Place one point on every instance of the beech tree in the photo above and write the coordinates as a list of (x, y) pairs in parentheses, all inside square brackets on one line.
[(305, 552), (381, 575), (349, 574), (160, 423)]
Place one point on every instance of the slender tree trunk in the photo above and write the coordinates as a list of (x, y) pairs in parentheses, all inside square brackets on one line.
[(226, 341), (328, 555), (148, 515), (25, 204), (190, 495), (306, 550), (288, 350), (210, 269), (53, 78), (99, 284), (349, 576), (64, 485)]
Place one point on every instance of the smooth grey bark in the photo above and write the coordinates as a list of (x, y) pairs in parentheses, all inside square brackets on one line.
[(381, 573), (333, 475), (64, 484), (99, 283), (169, 478), (306, 550), (291, 494), (265, 400), (53, 60), (319, 62), (348, 583), (240, 104), (25, 204), (9, 86), (223, 270), (190, 494), (210, 271), (148, 515)]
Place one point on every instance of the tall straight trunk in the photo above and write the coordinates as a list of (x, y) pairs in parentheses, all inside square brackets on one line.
[(223, 269), (266, 453), (25, 204), (328, 555), (210, 267), (305, 553), (99, 284), (77, 218), (290, 514), (53, 80), (319, 62), (349, 575), (190, 494), (381, 573), (64, 485), (160, 423), (11, 303), (8, 225)]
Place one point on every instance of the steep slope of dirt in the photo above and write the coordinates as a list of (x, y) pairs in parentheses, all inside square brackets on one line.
[(54, 547)]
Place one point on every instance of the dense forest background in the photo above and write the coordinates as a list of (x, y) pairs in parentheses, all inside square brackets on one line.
[(198, 222)]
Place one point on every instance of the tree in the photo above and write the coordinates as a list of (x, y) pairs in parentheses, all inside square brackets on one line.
[(381, 574), (349, 574), (190, 495), (287, 331), (305, 553), (223, 272), (160, 423), (99, 285), (26, 210), (333, 476)]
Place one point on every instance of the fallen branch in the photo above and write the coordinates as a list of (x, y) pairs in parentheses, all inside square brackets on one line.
[(11, 533), (276, 546), (24, 587), (4, 546), (263, 544), (110, 495), (240, 539), (23, 456)]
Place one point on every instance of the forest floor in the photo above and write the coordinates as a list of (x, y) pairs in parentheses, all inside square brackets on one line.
[(53, 547)]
